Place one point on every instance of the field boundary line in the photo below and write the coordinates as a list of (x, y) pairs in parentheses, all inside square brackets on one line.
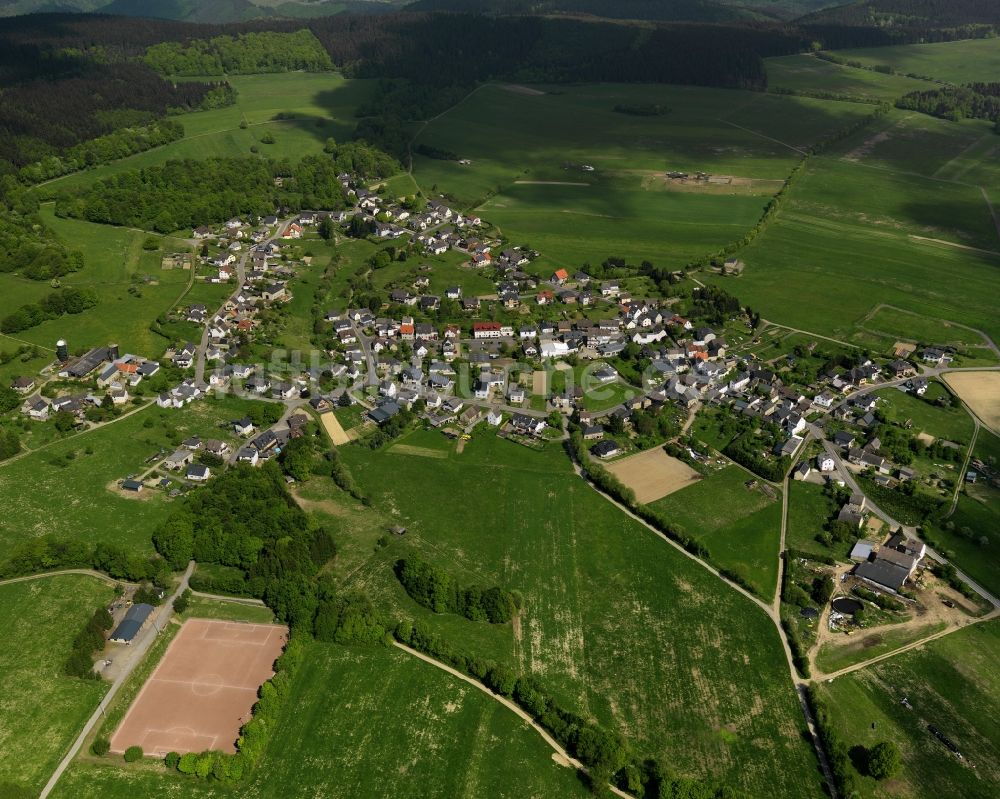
[(563, 759), (59, 572), (764, 136), (992, 210)]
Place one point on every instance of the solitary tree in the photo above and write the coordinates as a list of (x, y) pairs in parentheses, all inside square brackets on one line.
[(884, 760)]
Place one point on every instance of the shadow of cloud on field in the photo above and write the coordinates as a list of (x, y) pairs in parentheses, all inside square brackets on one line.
[(969, 222)]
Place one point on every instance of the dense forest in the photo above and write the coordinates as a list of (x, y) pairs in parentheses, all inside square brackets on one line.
[(245, 53), (187, 193), (973, 101), (909, 13)]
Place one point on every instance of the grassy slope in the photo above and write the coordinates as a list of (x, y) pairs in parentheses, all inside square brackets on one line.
[(616, 622), (73, 499), (741, 528), (844, 240), (622, 208), (953, 423), (323, 103), (40, 619), (955, 62), (951, 683), (811, 74), (809, 509), (370, 723)]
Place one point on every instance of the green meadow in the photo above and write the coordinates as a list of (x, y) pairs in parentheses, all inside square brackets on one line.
[(952, 62), (806, 73), (131, 286), (617, 623), (740, 527), (369, 723), (42, 710), (74, 479), (322, 106), (529, 147), (952, 684), (809, 509), (952, 423), (859, 230)]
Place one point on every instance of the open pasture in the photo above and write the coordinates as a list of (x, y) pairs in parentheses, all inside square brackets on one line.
[(849, 238), (740, 526), (318, 106), (203, 689), (806, 73), (902, 325), (616, 622), (70, 477), (366, 723), (981, 392), (42, 709), (653, 474), (951, 683), (953, 62), (546, 166), (952, 423)]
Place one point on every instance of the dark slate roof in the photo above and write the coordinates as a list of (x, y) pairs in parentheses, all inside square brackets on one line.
[(132, 623), (884, 573)]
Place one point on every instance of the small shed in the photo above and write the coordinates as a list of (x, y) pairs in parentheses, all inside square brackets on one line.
[(862, 551)]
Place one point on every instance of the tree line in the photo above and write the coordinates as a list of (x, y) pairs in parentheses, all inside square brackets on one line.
[(51, 306), (266, 51), (435, 589), (188, 193), (90, 639), (972, 101)]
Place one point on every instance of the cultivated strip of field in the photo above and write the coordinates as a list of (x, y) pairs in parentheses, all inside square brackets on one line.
[(653, 474), (334, 428), (981, 392)]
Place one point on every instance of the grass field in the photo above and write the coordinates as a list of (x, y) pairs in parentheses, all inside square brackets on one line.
[(809, 509), (952, 423), (620, 625), (114, 262), (740, 527), (857, 233), (204, 608), (323, 105), (969, 536), (954, 62), (371, 723), (866, 645), (897, 324), (69, 479), (951, 683), (42, 710), (806, 73), (528, 150)]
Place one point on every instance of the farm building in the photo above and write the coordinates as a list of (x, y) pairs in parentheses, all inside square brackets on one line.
[(129, 627)]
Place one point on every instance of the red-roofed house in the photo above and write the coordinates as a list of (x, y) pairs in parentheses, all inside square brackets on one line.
[(560, 276)]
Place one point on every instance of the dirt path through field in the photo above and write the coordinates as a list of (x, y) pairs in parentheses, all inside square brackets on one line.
[(334, 428)]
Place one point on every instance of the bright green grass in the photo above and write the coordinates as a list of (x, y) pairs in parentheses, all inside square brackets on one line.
[(324, 105), (809, 509), (618, 623), (113, 258), (371, 723), (868, 644), (844, 242), (956, 62), (740, 527), (978, 513), (546, 139), (42, 710), (43, 493), (953, 423), (811, 74), (913, 327), (952, 683), (204, 608)]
